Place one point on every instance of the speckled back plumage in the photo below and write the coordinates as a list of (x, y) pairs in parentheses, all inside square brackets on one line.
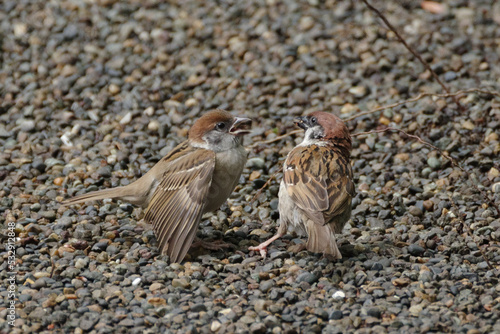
[(317, 188), (322, 190)]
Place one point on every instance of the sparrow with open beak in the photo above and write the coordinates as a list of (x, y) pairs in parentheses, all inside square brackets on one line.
[(194, 178), (317, 188)]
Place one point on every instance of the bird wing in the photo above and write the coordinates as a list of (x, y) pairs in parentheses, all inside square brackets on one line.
[(340, 192), (177, 203), (319, 181)]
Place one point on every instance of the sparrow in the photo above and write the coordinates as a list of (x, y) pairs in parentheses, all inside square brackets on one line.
[(196, 177), (317, 189)]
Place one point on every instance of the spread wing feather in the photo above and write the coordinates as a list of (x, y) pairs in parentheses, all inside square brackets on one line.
[(177, 204)]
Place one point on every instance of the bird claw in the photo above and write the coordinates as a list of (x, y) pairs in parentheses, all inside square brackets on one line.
[(262, 250)]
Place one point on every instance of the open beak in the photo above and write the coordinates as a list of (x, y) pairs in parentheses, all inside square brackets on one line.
[(241, 126), (302, 122)]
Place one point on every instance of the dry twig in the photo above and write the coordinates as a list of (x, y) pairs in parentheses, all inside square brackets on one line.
[(394, 105), (415, 53), (446, 156), (421, 96)]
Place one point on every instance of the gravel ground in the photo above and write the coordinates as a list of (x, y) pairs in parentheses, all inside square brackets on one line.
[(93, 93)]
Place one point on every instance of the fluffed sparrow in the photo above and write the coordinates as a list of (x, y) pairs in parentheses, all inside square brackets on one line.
[(317, 189), (196, 177)]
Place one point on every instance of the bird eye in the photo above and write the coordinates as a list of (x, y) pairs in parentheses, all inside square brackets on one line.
[(220, 126), (314, 120)]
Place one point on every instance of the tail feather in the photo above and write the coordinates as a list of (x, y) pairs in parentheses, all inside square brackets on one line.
[(96, 195), (321, 239)]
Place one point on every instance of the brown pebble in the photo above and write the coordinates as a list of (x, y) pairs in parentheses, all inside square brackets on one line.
[(254, 175), (349, 108), (114, 89), (473, 331), (58, 181), (95, 308), (111, 235), (442, 183), (401, 281), (402, 156), (384, 120), (79, 244), (264, 275), (428, 205), (157, 301), (65, 249), (49, 303), (363, 187), (355, 231)]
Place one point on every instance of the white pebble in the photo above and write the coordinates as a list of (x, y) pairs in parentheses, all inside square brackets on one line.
[(111, 159), (306, 23), (20, 29), (144, 36), (338, 295), (126, 119), (215, 326), (94, 116), (136, 281), (65, 139), (114, 89), (75, 130), (149, 111), (225, 311), (42, 70), (191, 102), (154, 125)]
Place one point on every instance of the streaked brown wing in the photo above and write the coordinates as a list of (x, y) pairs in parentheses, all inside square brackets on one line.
[(305, 182), (177, 204), (322, 185), (340, 194)]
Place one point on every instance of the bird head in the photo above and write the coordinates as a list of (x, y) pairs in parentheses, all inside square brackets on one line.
[(218, 130), (321, 126)]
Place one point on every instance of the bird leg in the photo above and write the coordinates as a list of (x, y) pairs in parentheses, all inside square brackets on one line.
[(211, 245), (262, 248)]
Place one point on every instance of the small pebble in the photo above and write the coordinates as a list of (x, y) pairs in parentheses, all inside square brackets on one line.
[(338, 295), (114, 89)]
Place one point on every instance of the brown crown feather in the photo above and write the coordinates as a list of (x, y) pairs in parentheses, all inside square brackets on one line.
[(335, 129), (208, 122)]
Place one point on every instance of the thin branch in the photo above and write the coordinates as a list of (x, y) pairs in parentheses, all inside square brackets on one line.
[(421, 96), (469, 232), (409, 48), (266, 184), (452, 160), (394, 105), (448, 157)]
